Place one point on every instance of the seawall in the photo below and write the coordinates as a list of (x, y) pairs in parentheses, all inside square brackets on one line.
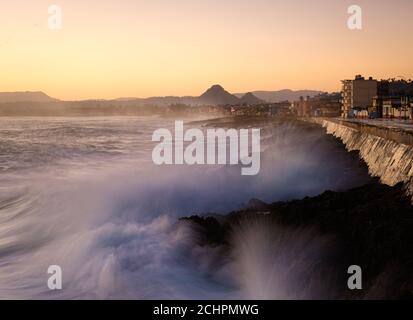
[(387, 151)]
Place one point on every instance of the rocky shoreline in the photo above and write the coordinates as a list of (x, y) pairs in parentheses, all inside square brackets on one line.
[(370, 226)]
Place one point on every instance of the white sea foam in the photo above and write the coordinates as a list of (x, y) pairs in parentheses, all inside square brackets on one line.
[(84, 195)]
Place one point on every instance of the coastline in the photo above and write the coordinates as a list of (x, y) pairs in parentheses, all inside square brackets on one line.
[(386, 149), (370, 226)]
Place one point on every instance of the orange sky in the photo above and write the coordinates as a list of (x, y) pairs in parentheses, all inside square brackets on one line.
[(124, 48)]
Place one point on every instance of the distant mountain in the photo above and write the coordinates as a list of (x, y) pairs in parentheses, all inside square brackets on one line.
[(27, 96), (281, 95), (217, 95), (250, 99)]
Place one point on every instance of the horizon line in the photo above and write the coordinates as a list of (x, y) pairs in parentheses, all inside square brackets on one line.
[(161, 96)]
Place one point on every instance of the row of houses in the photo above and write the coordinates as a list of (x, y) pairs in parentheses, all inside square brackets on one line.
[(322, 105), (370, 98), (262, 109)]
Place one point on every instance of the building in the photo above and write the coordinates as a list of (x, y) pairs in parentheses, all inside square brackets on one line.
[(321, 105), (394, 99), (390, 107), (398, 108), (357, 95), (262, 110), (301, 107), (326, 105)]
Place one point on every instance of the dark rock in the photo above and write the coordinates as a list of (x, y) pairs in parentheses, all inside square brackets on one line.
[(373, 224), (256, 204)]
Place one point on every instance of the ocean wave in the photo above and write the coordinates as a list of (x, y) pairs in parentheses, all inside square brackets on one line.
[(111, 222)]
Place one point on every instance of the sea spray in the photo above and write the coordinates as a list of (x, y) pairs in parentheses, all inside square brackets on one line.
[(92, 202), (279, 262)]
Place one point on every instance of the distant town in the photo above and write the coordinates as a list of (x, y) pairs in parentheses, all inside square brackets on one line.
[(363, 98), (360, 98)]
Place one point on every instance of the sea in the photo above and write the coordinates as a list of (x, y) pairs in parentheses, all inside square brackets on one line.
[(83, 194)]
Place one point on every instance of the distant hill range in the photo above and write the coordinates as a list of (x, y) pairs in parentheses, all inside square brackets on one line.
[(216, 95), (26, 96), (250, 99), (281, 95)]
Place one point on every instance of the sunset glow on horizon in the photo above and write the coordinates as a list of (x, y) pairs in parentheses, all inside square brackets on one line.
[(126, 48)]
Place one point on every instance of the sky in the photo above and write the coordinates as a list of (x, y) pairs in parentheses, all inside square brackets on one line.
[(135, 48)]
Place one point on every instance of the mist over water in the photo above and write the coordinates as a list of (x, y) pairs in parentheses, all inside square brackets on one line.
[(83, 193)]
